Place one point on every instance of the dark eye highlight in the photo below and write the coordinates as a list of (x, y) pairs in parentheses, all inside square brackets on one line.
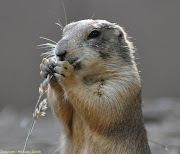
[(94, 34)]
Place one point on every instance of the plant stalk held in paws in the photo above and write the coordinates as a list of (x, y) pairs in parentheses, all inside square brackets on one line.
[(38, 111)]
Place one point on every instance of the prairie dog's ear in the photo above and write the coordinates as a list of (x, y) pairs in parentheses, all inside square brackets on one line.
[(123, 39), (121, 35)]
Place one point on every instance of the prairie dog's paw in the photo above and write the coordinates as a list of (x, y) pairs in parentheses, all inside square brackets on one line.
[(64, 73), (47, 67)]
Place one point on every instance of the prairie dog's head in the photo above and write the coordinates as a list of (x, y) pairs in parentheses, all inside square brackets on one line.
[(94, 46)]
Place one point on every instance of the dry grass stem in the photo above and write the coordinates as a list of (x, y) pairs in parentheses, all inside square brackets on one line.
[(162, 145), (41, 110), (38, 111)]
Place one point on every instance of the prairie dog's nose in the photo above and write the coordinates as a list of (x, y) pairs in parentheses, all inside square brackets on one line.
[(61, 49)]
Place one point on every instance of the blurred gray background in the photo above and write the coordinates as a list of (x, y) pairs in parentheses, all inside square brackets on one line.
[(154, 28)]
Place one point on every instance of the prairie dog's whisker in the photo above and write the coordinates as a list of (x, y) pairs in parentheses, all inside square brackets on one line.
[(49, 46), (60, 25), (48, 39), (64, 12)]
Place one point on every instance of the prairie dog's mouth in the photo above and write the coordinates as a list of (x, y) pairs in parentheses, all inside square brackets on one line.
[(72, 61), (75, 62)]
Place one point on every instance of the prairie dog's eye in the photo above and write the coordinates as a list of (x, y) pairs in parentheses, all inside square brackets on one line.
[(94, 34)]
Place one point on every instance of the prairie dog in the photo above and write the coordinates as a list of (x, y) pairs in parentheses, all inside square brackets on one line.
[(96, 90)]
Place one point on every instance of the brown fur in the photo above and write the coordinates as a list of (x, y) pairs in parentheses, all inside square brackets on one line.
[(99, 104)]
